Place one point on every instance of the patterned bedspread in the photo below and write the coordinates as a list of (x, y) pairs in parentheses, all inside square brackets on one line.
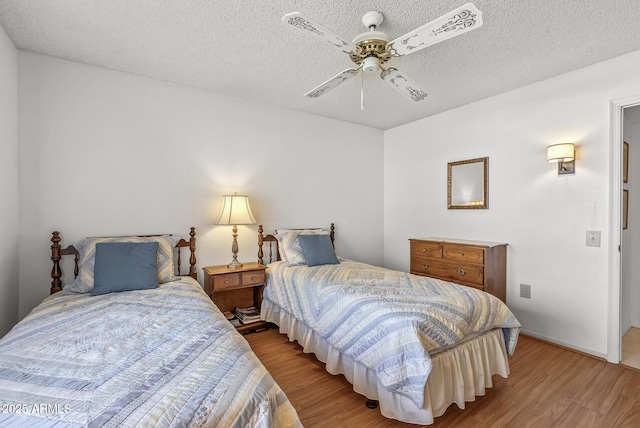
[(388, 321), (157, 358)]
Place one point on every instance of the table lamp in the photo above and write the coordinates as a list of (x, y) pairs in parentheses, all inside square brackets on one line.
[(235, 211)]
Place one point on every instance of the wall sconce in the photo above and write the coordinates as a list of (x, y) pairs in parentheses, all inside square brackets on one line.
[(564, 155), (235, 210)]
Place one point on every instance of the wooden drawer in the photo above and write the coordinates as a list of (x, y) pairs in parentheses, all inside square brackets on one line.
[(427, 249), (449, 271), (463, 253), (421, 265), (253, 278), (231, 280)]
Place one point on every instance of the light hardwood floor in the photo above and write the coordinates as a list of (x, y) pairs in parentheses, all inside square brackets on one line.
[(631, 348), (548, 387)]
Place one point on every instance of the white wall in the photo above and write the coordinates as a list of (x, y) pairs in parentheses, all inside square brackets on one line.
[(541, 215), (631, 235), (103, 153), (9, 230)]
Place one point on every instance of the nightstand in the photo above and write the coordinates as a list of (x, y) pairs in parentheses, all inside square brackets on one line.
[(228, 288)]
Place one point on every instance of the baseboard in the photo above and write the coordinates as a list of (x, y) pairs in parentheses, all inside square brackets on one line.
[(565, 345), (625, 329)]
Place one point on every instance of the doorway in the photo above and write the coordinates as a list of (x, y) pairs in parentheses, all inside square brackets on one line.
[(630, 237), (615, 305)]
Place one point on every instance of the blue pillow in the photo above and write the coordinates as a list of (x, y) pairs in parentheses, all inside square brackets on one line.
[(125, 266), (317, 250)]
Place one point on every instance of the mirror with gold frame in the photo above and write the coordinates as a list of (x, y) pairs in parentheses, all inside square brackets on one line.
[(468, 184)]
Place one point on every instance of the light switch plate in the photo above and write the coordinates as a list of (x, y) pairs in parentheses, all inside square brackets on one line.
[(593, 238)]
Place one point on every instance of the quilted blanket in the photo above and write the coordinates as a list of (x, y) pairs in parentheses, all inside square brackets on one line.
[(386, 320), (157, 358)]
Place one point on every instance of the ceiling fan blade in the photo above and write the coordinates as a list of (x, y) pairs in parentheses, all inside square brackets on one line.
[(403, 84), (332, 83), (454, 23), (311, 27)]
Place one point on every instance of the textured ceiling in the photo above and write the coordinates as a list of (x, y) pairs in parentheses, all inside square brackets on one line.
[(240, 47)]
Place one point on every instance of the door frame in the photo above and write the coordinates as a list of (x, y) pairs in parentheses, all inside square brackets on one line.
[(614, 337)]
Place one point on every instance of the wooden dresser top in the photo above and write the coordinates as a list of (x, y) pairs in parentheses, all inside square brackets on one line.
[(461, 241)]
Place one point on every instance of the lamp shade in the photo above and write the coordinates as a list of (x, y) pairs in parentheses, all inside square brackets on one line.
[(560, 153), (235, 210)]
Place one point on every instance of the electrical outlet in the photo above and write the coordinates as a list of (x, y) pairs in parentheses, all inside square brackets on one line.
[(593, 238), (525, 291)]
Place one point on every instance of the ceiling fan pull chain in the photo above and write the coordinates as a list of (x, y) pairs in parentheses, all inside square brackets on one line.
[(362, 92)]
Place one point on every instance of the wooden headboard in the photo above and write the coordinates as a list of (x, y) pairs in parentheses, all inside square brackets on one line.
[(273, 242), (57, 252)]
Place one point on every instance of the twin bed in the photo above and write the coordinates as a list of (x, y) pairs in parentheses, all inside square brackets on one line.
[(158, 357), (157, 352), (413, 343)]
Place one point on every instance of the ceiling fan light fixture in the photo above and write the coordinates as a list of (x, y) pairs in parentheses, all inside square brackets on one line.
[(370, 64)]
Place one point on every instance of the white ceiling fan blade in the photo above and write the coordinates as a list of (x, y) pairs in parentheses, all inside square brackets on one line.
[(311, 27), (454, 23), (332, 83), (403, 84)]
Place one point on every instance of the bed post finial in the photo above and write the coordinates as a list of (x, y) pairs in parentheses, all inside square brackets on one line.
[(332, 234), (192, 260), (260, 240), (56, 273)]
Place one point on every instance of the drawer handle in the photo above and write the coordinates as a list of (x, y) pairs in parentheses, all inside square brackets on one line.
[(424, 250), (253, 277), (461, 272), (461, 253), (226, 281), (424, 265)]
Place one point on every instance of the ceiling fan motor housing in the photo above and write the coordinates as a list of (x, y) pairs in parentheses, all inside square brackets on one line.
[(371, 50)]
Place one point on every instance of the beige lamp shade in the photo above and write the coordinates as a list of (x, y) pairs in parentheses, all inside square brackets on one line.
[(235, 210), (560, 153)]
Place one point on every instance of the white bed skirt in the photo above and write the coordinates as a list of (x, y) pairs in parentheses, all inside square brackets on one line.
[(458, 375)]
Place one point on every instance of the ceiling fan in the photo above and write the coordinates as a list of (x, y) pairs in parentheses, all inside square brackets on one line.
[(371, 50)]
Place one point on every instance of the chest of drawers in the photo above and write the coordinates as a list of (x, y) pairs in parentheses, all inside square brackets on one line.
[(475, 264)]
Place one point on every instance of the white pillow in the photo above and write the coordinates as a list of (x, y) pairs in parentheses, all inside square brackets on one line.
[(87, 249), (289, 245)]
